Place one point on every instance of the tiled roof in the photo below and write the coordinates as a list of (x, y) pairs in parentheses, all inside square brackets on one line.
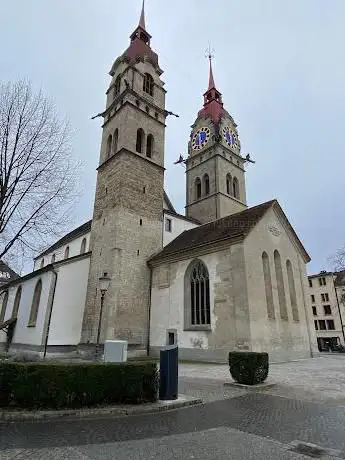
[(4, 268), (229, 227), (85, 228)]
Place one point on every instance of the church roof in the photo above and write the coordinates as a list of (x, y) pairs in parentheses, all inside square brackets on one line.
[(6, 273), (79, 231), (234, 226)]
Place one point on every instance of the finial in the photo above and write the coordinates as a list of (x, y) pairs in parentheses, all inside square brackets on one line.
[(210, 56), (142, 17)]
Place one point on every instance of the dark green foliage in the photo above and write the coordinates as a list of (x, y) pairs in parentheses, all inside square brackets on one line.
[(247, 367), (55, 386)]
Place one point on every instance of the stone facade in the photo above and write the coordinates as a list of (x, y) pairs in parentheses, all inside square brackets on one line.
[(128, 214)]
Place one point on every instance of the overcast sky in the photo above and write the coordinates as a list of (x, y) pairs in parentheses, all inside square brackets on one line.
[(279, 65)]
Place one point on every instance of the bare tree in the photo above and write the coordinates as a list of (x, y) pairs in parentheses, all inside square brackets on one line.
[(37, 174), (338, 260)]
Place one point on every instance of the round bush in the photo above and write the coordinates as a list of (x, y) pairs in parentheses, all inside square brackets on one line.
[(248, 367)]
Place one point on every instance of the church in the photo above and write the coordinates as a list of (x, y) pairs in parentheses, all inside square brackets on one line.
[(222, 277)]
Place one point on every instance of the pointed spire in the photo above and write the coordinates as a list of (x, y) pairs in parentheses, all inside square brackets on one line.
[(210, 79), (142, 17)]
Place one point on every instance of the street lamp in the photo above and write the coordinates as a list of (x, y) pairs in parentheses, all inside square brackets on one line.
[(103, 287)]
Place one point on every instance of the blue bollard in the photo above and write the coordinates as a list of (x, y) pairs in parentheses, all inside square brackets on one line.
[(168, 373)]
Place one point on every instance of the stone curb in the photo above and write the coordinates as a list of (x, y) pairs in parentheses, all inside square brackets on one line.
[(250, 387), (116, 411)]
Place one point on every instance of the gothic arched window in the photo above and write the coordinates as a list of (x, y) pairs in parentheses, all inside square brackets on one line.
[(292, 290), (280, 286), (115, 140), (235, 188), (42, 263), (148, 84), (4, 306), (17, 302), (35, 304), (228, 184), (66, 255), (197, 296), (117, 86), (140, 140), (149, 145), (206, 180), (83, 246), (109, 145), (53, 258), (268, 286), (197, 188)]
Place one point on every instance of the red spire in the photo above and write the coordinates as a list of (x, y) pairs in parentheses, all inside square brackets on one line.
[(211, 79), (142, 17)]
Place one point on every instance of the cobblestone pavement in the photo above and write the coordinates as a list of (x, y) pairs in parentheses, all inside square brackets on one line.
[(319, 379), (242, 427)]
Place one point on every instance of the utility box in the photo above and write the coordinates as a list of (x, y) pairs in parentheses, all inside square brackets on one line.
[(168, 373), (115, 351)]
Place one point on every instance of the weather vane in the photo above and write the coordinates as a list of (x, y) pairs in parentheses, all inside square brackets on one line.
[(209, 53)]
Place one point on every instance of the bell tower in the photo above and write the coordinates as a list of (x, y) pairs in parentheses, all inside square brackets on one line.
[(215, 168), (128, 209)]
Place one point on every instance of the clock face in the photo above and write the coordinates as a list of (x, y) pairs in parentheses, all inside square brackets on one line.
[(230, 137), (200, 138)]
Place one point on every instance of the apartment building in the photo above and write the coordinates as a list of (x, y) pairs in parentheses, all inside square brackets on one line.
[(327, 295)]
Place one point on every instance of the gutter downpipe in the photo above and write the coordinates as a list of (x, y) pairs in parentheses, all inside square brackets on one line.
[(50, 312), (149, 316)]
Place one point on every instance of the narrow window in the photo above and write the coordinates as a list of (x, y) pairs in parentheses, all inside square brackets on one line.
[(109, 145), (4, 306), (140, 140), (314, 311), (198, 188), (206, 184), (117, 86), (168, 225), (312, 298), (148, 84), (115, 140), (66, 255), (310, 283), (17, 302), (327, 309), (268, 286), (83, 246), (235, 189), (330, 324), (316, 325), (198, 304), (42, 263), (53, 258), (228, 184), (280, 286), (322, 324), (149, 146), (35, 304), (292, 291)]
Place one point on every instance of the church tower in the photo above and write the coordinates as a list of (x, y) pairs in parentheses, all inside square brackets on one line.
[(128, 208), (215, 168)]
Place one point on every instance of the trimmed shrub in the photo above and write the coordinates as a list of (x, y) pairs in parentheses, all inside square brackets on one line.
[(248, 367), (64, 385)]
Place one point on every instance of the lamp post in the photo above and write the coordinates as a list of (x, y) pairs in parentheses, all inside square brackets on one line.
[(103, 286)]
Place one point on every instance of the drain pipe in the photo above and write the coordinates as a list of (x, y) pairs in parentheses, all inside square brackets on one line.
[(149, 316), (55, 275)]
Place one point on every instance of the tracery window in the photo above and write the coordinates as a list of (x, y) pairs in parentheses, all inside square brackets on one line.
[(198, 300)]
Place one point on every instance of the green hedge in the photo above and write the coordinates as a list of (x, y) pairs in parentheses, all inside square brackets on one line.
[(55, 386), (248, 367)]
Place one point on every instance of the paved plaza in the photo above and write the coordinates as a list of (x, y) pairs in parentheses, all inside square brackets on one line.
[(301, 417)]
